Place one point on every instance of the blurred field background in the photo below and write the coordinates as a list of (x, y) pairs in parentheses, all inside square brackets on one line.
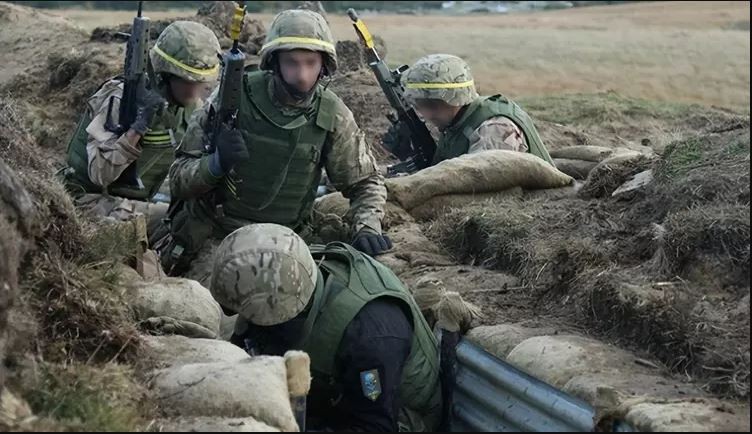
[(668, 51)]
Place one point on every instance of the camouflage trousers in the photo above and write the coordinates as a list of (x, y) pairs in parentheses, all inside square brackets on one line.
[(195, 226), (122, 209)]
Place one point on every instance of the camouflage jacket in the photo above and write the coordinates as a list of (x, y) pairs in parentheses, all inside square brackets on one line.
[(498, 132), (346, 156), (110, 154)]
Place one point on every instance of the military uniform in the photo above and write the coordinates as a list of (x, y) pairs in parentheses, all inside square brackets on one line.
[(109, 176), (374, 359), (483, 123), (287, 143)]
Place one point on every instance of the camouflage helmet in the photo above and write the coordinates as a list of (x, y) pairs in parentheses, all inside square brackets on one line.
[(264, 272), (299, 29), (188, 50), (440, 76)]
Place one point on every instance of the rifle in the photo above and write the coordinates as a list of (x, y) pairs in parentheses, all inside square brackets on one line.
[(222, 114), (423, 146), (225, 114), (134, 78)]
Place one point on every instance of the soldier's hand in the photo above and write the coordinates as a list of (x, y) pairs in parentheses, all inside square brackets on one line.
[(230, 150), (397, 140), (149, 103), (370, 243)]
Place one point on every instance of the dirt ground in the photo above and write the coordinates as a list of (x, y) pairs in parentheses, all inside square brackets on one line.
[(663, 271)]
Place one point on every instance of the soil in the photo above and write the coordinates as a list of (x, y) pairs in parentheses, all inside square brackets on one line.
[(662, 271)]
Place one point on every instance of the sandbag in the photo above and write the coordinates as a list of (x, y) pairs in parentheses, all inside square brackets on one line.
[(482, 172), (612, 172), (438, 205), (501, 339), (558, 359), (212, 424), (255, 387), (552, 194), (167, 351), (334, 204), (582, 152), (177, 305), (411, 245), (577, 169), (697, 415)]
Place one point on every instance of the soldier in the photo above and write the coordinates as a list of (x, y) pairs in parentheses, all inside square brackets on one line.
[(267, 170), (116, 175), (374, 360), (442, 91)]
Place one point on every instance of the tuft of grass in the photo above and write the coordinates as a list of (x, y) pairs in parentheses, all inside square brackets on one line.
[(682, 156), (87, 398)]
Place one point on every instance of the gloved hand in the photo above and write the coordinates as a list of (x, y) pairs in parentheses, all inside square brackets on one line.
[(148, 103), (230, 150), (397, 140), (370, 243)]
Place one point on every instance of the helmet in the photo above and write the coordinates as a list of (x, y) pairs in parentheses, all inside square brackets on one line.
[(188, 50), (264, 272), (440, 76), (299, 29)]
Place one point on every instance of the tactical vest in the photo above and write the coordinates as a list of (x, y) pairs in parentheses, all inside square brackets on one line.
[(278, 183), (455, 141), (151, 167), (353, 280)]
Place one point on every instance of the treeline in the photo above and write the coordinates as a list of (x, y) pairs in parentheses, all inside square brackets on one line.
[(253, 6)]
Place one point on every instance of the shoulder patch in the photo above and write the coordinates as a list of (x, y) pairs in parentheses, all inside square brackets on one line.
[(370, 383)]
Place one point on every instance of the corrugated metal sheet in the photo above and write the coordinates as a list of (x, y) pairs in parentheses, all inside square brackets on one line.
[(492, 395)]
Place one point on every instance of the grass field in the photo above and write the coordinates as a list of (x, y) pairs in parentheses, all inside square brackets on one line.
[(670, 51)]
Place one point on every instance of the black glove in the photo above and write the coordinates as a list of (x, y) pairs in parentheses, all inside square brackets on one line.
[(148, 103), (230, 150), (372, 244), (397, 140)]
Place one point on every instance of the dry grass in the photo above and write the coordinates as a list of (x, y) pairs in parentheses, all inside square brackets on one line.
[(685, 51)]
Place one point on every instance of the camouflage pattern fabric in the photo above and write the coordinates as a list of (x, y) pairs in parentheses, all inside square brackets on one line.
[(497, 133), (265, 272), (299, 29), (443, 77), (188, 50)]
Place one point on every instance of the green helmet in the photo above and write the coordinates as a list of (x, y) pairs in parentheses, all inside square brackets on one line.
[(440, 76), (299, 29), (265, 273), (187, 49)]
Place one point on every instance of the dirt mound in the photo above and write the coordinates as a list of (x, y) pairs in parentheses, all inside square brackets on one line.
[(664, 268), (362, 94), (215, 15), (351, 55)]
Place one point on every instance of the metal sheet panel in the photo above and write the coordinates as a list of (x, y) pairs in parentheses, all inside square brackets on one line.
[(492, 395)]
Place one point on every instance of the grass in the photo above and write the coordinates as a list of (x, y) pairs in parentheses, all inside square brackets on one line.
[(87, 398), (683, 51)]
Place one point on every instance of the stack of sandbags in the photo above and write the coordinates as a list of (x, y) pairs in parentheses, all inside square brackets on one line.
[(618, 384), (212, 385), (488, 175), (251, 388)]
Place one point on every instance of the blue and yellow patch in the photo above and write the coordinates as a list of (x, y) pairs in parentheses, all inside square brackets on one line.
[(370, 383)]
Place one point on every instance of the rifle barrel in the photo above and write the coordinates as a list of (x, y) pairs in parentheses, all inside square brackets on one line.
[(140, 5)]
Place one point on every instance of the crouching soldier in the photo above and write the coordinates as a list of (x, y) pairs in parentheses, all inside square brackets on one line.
[(267, 170), (442, 90), (116, 175), (374, 359)]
